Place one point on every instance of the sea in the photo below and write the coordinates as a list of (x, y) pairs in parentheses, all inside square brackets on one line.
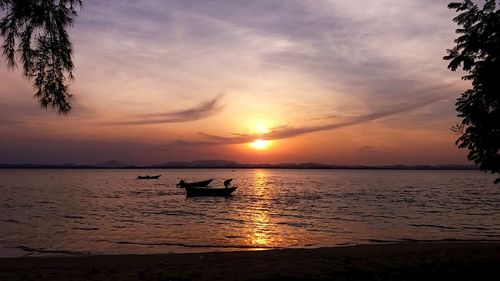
[(51, 212)]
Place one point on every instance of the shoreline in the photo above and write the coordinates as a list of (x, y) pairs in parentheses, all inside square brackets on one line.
[(204, 249), (443, 260)]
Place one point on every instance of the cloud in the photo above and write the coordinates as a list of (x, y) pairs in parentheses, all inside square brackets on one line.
[(5, 122), (397, 109), (286, 132), (200, 111), (326, 64)]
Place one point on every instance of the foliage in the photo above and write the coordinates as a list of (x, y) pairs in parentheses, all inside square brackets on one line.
[(35, 34), (477, 52)]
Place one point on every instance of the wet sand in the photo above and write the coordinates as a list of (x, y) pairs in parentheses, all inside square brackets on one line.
[(399, 261)]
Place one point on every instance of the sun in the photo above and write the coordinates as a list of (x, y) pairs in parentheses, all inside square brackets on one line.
[(260, 144), (259, 131)]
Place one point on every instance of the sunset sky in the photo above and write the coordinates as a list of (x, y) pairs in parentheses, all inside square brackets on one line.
[(341, 82)]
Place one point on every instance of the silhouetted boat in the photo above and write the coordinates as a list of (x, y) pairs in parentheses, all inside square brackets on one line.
[(183, 184), (148, 177), (209, 191)]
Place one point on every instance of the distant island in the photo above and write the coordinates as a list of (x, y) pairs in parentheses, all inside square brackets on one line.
[(224, 164)]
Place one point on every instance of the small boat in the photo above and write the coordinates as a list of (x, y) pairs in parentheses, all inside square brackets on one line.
[(146, 177), (209, 191), (183, 184)]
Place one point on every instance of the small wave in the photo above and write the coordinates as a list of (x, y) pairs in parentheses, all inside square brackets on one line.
[(412, 240), (295, 224), (44, 202), (130, 220), (12, 221), (377, 216), (476, 228), (311, 197), (163, 193), (407, 239), (174, 213), (73, 217), (118, 226), (139, 192), (476, 214), (85, 228), (99, 240), (196, 245), (400, 240), (433, 226), (346, 219), (45, 251), (382, 241), (228, 220), (433, 211)]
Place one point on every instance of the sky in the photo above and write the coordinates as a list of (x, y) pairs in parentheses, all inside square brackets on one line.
[(330, 81)]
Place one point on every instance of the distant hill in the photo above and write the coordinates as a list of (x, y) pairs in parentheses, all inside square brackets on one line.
[(112, 164), (201, 164), (214, 164), (45, 166)]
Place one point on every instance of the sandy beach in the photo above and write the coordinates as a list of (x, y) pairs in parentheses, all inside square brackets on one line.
[(397, 261)]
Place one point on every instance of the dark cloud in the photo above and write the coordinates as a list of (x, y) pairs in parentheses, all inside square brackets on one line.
[(201, 111), (185, 143)]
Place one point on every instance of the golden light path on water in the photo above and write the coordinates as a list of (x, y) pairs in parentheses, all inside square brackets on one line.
[(261, 229)]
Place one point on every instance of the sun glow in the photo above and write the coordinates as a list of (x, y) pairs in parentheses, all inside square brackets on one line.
[(261, 129), (260, 144)]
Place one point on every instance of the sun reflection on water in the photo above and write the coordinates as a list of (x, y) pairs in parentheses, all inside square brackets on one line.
[(260, 226)]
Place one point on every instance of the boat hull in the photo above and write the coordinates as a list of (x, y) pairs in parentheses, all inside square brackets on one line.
[(195, 184), (204, 191), (148, 177)]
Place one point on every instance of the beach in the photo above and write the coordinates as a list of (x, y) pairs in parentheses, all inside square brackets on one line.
[(460, 260)]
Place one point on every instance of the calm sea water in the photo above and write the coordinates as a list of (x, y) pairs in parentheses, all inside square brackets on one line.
[(51, 212)]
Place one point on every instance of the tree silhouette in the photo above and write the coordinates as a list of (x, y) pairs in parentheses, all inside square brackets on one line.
[(34, 33), (477, 52)]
